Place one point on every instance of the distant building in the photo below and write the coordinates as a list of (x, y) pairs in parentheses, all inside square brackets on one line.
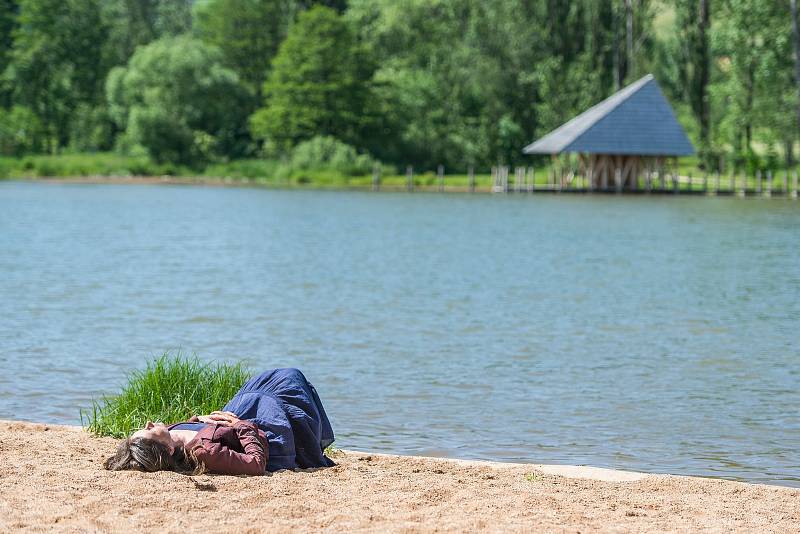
[(631, 131)]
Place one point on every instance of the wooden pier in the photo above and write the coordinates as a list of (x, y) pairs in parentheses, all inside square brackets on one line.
[(644, 180)]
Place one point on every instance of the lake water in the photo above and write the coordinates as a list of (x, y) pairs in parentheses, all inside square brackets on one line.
[(647, 333)]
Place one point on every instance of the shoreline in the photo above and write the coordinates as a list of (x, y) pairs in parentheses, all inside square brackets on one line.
[(215, 181), (589, 472), (210, 181), (51, 478)]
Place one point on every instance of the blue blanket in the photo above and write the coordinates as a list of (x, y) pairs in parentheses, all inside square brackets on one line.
[(287, 408)]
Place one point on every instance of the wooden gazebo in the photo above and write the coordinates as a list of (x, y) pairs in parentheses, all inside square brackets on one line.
[(632, 131)]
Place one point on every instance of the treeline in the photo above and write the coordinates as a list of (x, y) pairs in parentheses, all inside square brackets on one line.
[(420, 82)]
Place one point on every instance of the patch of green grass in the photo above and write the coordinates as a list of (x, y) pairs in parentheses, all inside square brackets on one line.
[(252, 169), (532, 477), (171, 388), (85, 164), (333, 451), (279, 173)]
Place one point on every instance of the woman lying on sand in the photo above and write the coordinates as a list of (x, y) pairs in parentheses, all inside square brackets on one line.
[(276, 421)]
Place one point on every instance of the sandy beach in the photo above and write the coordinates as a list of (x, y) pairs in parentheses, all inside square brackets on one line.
[(51, 479)]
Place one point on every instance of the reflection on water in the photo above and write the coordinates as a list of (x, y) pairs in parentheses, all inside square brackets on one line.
[(655, 334)]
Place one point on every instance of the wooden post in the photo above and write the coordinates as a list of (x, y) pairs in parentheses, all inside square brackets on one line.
[(785, 181), (440, 174), (505, 179), (523, 180), (376, 178), (794, 183), (559, 183), (758, 182), (768, 192), (471, 179), (591, 179), (604, 176), (515, 187), (618, 180), (531, 172), (409, 178)]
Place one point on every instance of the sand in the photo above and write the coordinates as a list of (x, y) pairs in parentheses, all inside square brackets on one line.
[(51, 479)]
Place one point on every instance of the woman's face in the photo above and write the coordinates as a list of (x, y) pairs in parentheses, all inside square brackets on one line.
[(157, 432)]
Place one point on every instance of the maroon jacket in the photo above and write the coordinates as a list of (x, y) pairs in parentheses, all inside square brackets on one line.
[(240, 449)]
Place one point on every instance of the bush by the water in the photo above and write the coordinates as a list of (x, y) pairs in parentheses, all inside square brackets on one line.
[(328, 153), (177, 101), (171, 388), (20, 131)]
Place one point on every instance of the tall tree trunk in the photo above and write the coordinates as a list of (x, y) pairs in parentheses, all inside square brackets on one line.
[(615, 45), (703, 75), (749, 100), (796, 43), (629, 64)]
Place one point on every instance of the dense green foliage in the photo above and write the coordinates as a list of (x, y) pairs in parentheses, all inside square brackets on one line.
[(172, 388), (248, 32), (421, 82), (20, 131), (53, 64), (177, 101), (319, 84)]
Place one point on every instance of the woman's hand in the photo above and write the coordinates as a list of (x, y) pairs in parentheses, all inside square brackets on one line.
[(220, 418)]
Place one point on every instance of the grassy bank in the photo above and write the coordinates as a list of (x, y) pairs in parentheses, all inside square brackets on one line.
[(275, 173), (171, 388), (264, 172)]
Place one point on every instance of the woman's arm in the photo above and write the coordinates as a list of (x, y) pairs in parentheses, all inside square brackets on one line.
[(222, 459)]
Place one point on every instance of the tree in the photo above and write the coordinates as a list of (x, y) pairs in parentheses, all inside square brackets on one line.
[(753, 46), (248, 32), (177, 100), (693, 23), (796, 54), (173, 17), (20, 131), (339, 5), (319, 84), (465, 82), (56, 61), (8, 22), (133, 23)]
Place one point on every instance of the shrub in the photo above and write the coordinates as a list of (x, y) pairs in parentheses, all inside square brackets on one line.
[(752, 162), (325, 152), (177, 100), (243, 168), (20, 131), (90, 129), (171, 388)]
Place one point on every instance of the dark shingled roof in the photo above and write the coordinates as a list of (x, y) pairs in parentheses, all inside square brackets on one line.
[(636, 120)]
